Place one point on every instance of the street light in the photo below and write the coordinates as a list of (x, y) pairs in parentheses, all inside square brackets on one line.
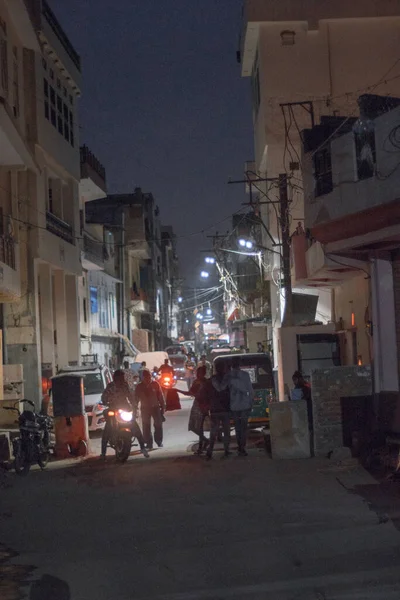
[(209, 311), (245, 243), (180, 299), (210, 260), (205, 274), (199, 316), (186, 320)]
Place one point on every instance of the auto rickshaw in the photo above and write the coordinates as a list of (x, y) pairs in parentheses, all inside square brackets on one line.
[(259, 367)]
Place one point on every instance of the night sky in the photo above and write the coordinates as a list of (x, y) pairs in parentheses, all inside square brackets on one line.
[(164, 107)]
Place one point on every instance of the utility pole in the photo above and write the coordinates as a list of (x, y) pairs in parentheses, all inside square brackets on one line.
[(287, 319)]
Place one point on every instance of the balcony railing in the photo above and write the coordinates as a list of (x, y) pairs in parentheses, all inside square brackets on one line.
[(89, 158), (7, 251), (59, 228), (94, 250), (62, 36)]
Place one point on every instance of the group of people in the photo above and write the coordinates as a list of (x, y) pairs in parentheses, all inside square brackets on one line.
[(130, 391), (222, 397)]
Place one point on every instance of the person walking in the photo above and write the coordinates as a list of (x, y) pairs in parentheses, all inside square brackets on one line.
[(130, 377), (118, 395), (241, 402), (200, 407), (203, 362), (218, 394), (190, 367), (152, 405), (142, 369)]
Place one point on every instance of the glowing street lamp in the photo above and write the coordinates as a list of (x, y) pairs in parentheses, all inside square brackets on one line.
[(245, 243), (199, 316), (209, 311), (180, 299), (205, 274), (210, 260)]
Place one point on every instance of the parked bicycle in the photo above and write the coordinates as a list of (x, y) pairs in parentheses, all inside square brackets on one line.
[(33, 443)]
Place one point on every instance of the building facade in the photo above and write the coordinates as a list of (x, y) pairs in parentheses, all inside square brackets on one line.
[(40, 75), (352, 238), (306, 60)]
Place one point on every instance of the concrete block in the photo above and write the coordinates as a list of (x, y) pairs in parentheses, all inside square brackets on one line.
[(290, 437)]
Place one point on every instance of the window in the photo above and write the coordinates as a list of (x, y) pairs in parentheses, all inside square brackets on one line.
[(323, 172), (112, 305), (57, 112), (46, 99), (44, 64), (256, 86), (50, 195), (365, 151), (94, 308), (103, 309), (15, 82), (85, 310), (53, 117), (3, 57)]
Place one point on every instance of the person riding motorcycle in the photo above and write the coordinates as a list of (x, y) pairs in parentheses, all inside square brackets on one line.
[(166, 368), (117, 395)]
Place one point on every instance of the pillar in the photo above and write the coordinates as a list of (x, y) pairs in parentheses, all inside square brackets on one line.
[(386, 377), (73, 323), (46, 317), (60, 310)]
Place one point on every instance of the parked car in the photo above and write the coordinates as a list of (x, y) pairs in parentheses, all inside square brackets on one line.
[(95, 380)]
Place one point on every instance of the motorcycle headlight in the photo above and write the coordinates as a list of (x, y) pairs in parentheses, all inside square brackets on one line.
[(125, 415)]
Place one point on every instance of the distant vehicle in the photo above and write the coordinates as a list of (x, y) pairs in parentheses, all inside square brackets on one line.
[(178, 362), (95, 380), (153, 360), (175, 349), (259, 367)]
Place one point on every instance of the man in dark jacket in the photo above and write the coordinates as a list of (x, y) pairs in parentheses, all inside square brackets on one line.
[(218, 396), (118, 395), (152, 405)]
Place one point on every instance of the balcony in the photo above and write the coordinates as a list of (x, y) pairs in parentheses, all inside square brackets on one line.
[(61, 35), (10, 279), (139, 302), (59, 228), (139, 249), (93, 253), (93, 176)]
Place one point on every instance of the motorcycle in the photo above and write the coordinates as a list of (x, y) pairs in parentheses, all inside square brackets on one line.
[(168, 382), (121, 439), (33, 444)]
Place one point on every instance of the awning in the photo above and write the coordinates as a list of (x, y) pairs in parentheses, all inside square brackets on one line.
[(131, 350)]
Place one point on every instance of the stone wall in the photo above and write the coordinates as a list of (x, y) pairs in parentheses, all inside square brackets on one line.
[(328, 387)]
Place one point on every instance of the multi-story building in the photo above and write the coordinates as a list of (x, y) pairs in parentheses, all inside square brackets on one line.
[(40, 81), (352, 239), (307, 59), (99, 325), (133, 218), (171, 286)]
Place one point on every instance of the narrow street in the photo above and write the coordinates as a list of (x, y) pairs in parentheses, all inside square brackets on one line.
[(175, 527)]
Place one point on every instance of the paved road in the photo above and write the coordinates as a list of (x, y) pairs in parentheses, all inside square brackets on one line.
[(174, 527)]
